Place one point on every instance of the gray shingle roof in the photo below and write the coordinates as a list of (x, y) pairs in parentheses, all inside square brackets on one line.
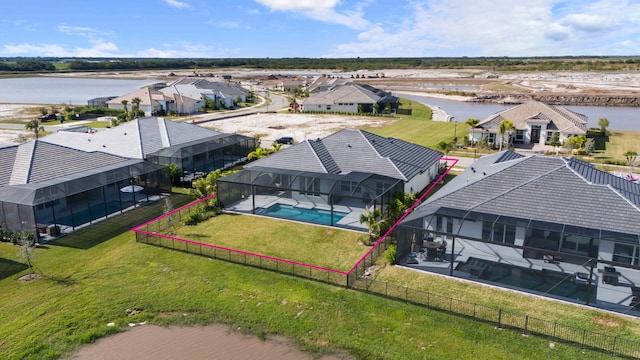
[(349, 93), (351, 150), (543, 188)]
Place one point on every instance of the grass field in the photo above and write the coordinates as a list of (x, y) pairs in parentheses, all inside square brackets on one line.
[(316, 245), (92, 277)]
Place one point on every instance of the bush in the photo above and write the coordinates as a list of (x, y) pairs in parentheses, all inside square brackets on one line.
[(194, 217), (390, 255)]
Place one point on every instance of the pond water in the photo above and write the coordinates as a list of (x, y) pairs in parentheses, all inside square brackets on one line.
[(51, 90), (620, 118)]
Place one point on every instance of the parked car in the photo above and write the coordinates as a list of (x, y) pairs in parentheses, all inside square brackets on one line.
[(45, 118), (284, 140)]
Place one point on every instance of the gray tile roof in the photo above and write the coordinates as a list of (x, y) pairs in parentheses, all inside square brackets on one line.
[(44, 161), (351, 150), (134, 139), (556, 118), (344, 93), (543, 188)]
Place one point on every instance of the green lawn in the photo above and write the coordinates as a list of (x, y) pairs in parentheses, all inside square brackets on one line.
[(316, 245), (93, 276)]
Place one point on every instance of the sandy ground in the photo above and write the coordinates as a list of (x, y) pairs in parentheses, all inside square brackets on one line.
[(299, 126), (210, 342)]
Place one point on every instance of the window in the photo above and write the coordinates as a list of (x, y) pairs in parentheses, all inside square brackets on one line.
[(550, 135), (502, 233), (491, 138), (625, 253), (438, 223), (328, 107), (381, 188), (349, 187), (519, 136), (310, 186)]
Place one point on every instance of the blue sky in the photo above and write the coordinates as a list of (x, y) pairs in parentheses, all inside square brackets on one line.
[(319, 28)]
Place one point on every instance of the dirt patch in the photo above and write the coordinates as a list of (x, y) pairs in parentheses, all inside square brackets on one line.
[(209, 342), (29, 277), (608, 322)]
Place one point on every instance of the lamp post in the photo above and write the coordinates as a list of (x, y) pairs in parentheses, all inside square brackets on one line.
[(455, 128)]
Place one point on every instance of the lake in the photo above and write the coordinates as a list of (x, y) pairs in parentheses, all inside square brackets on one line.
[(620, 118), (72, 91)]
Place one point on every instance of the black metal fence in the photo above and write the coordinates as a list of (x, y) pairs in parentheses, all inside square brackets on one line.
[(526, 324), (156, 232)]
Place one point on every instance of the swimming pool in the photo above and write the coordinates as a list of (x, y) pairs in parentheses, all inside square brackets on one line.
[(544, 281), (318, 216)]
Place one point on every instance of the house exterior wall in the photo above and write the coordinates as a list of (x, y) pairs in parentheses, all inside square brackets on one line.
[(421, 181)]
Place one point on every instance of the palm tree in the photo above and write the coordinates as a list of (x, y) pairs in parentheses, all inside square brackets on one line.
[(631, 159), (445, 147), (258, 153), (473, 123), (603, 123), (136, 106), (506, 127), (371, 219), (400, 203), (124, 104), (34, 125)]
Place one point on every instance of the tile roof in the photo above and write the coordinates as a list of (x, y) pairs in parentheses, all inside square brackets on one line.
[(349, 93), (543, 188), (134, 139), (44, 161), (556, 117), (147, 96), (351, 150)]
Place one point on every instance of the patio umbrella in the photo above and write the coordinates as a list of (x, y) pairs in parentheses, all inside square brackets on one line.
[(131, 189)]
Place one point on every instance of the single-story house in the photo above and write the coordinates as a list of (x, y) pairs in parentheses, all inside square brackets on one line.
[(154, 102), (197, 88), (340, 174), (555, 226), (49, 188), (161, 141), (535, 123), (351, 98)]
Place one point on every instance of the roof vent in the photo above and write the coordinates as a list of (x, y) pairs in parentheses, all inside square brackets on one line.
[(88, 139), (125, 133), (104, 146)]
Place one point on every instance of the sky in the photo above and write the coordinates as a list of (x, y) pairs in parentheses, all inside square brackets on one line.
[(318, 28)]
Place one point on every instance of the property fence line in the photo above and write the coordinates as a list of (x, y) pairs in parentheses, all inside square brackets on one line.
[(152, 231), (503, 319)]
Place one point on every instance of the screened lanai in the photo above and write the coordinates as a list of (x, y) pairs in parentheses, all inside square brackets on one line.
[(218, 152), (592, 265), (328, 199), (61, 204)]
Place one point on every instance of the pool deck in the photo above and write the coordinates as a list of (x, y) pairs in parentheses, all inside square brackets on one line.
[(608, 296), (351, 220)]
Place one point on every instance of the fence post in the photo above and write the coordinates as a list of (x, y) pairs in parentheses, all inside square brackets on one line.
[(474, 309), (584, 335), (406, 293), (526, 324), (386, 288), (500, 319), (613, 348), (555, 326)]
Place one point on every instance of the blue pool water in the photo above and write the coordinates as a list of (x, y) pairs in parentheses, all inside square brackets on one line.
[(309, 215)]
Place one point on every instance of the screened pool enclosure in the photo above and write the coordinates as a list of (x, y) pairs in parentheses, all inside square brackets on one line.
[(321, 198), (63, 203)]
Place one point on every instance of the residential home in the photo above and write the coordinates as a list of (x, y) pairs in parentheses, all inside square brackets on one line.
[(534, 122), (340, 174), (198, 88), (550, 225), (51, 189), (351, 98), (152, 102), (161, 141)]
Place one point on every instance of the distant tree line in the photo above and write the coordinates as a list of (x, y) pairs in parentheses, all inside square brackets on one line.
[(603, 63)]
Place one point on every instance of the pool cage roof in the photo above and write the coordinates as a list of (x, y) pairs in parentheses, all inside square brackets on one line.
[(285, 179), (598, 233), (60, 187), (201, 146)]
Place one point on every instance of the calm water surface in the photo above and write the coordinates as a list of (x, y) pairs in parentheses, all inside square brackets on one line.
[(620, 118), (50, 90)]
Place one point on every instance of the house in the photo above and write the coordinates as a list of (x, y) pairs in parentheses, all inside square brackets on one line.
[(154, 102), (99, 101), (51, 189), (351, 98), (535, 123), (555, 226), (197, 88), (340, 174), (161, 141)]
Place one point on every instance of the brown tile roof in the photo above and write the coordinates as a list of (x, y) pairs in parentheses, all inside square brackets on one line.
[(556, 117)]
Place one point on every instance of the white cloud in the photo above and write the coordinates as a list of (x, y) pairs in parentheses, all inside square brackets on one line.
[(81, 31), (587, 22), (177, 4), (321, 10), (31, 50)]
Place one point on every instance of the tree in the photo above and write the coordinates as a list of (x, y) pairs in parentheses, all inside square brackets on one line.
[(26, 241), (376, 108), (174, 172), (34, 125), (124, 105), (631, 159), (371, 218), (398, 205), (506, 127), (577, 142), (167, 207), (603, 123), (258, 153), (473, 123), (445, 147), (555, 139), (136, 106), (589, 146)]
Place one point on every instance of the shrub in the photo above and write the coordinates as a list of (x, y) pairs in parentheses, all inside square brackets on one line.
[(390, 255), (194, 217)]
